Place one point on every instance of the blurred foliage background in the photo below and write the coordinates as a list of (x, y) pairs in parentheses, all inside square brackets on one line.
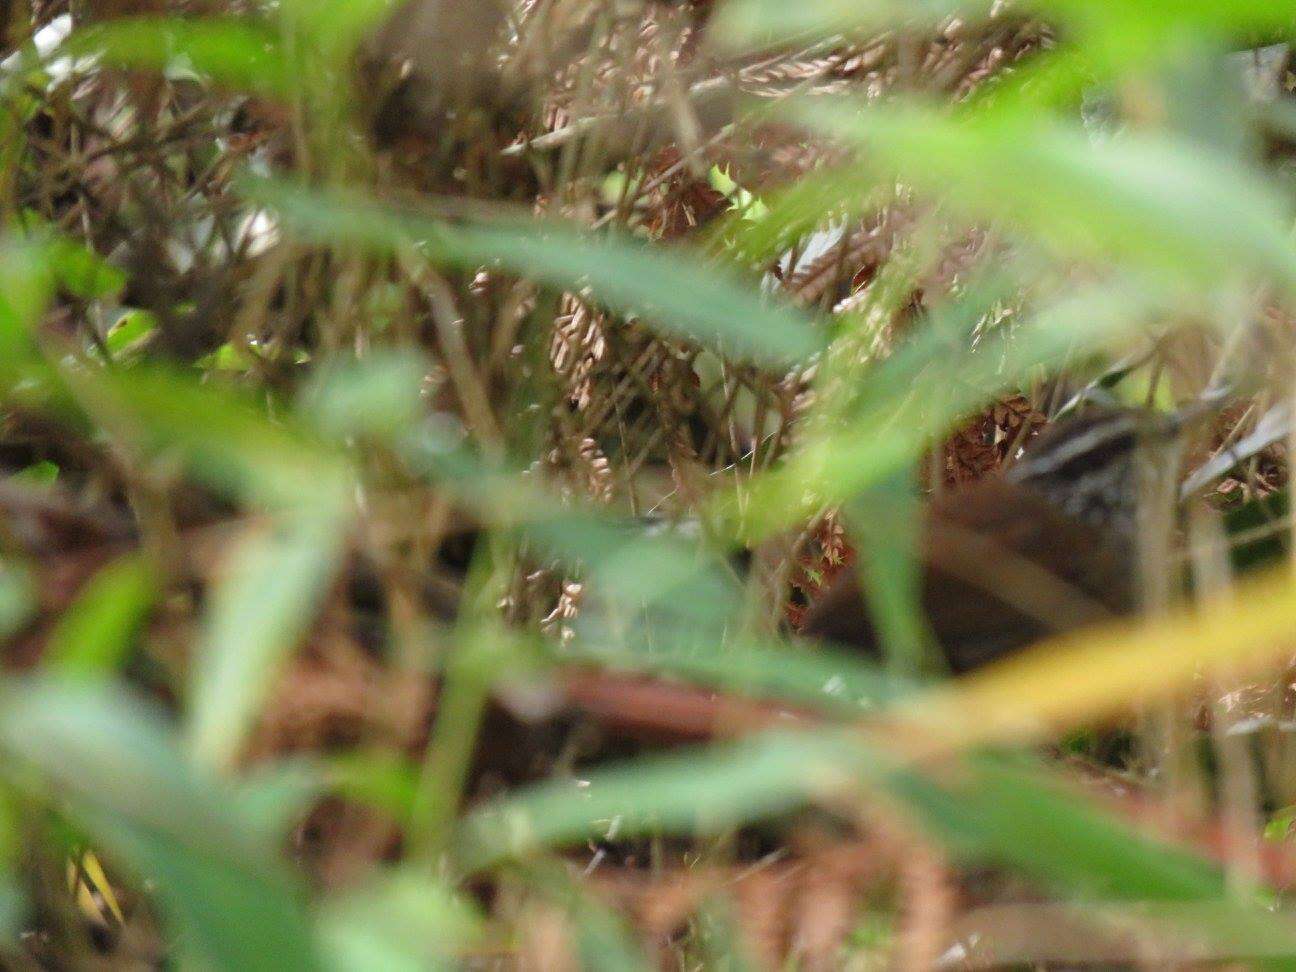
[(423, 426)]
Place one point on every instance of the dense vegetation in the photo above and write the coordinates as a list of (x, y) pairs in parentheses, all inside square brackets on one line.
[(422, 426)]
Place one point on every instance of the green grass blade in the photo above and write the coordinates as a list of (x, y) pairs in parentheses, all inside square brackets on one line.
[(270, 591), (666, 288), (93, 636), (1186, 215), (112, 761)]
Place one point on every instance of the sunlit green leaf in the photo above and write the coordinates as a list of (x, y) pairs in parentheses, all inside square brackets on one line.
[(749, 22), (240, 53), (133, 326), (38, 474), (94, 634), (832, 195), (335, 26), (380, 779), (1233, 20)]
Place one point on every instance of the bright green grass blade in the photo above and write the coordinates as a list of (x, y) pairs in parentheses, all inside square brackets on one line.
[(94, 635)]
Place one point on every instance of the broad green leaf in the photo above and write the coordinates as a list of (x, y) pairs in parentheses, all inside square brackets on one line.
[(630, 565), (749, 22), (276, 578), (720, 934), (13, 907), (111, 760), (334, 26), (93, 636), (14, 841), (819, 197), (664, 287), (603, 940), (497, 491), (1008, 811), (277, 796), (240, 53), (228, 357), (481, 656)]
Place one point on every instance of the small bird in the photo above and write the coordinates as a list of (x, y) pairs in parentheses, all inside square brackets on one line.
[(1048, 546)]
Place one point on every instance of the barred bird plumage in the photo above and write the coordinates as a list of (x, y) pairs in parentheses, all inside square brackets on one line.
[(1047, 546)]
